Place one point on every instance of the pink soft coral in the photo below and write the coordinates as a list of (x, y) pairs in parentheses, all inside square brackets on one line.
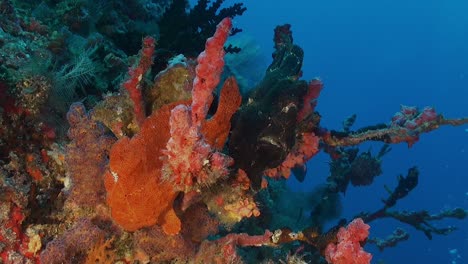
[(192, 161), (348, 250)]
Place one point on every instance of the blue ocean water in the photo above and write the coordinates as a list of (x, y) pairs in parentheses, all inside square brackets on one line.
[(373, 56)]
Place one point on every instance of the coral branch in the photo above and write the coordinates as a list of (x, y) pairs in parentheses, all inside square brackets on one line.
[(406, 126), (392, 240), (132, 85), (420, 220), (192, 162), (209, 69)]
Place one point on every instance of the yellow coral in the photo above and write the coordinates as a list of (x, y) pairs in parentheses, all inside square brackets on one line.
[(241, 209)]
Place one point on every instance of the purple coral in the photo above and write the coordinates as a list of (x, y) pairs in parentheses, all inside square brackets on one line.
[(73, 243), (86, 157)]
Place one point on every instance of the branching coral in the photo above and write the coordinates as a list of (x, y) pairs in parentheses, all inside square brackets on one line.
[(406, 126), (199, 24), (420, 220), (132, 85)]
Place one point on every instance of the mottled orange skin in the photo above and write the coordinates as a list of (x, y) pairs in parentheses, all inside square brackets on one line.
[(135, 193)]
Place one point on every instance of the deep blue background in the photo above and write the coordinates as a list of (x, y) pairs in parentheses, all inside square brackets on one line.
[(373, 56)]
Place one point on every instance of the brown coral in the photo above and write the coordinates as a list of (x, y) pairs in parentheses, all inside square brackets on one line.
[(198, 224), (116, 113), (171, 85)]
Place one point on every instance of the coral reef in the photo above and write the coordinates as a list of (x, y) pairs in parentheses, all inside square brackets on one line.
[(173, 163)]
